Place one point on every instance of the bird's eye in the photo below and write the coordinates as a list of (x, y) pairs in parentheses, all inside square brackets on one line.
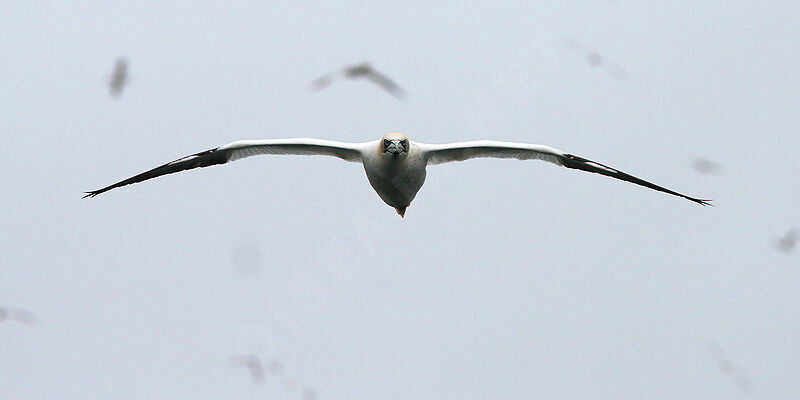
[(405, 144), (386, 143)]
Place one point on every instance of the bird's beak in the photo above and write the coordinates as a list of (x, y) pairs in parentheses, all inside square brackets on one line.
[(395, 148)]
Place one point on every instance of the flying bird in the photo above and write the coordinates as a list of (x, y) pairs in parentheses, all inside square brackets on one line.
[(309, 394), (788, 241), (706, 166), (15, 314), (119, 77), (395, 166), (727, 367), (253, 364), (275, 367), (592, 57), (362, 70)]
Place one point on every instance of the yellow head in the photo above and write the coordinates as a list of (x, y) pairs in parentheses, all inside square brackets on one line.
[(394, 144)]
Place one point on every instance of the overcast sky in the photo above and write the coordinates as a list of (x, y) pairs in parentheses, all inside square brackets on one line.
[(505, 279)]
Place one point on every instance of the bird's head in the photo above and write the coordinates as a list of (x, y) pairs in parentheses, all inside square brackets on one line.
[(394, 144)]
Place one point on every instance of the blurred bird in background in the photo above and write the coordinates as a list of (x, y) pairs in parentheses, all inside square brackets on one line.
[(247, 260), (15, 314), (258, 370), (706, 166), (119, 78), (788, 241), (275, 367), (592, 56), (253, 364), (356, 71), (309, 394), (728, 368)]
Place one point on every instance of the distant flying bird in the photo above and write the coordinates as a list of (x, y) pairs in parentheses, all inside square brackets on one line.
[(15, 314), (253, 364), (309, 394), (247, 260), (119, 77), (275, 367), (706, 166), (788, 241), (729, 368), (306, 393), (592, 57), (394, 165), (363, 70)]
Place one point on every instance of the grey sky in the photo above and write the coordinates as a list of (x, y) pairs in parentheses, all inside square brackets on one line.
[(506, 279)]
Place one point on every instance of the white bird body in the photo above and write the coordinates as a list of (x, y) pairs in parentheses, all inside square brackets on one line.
[(397, 181), (395, 166)]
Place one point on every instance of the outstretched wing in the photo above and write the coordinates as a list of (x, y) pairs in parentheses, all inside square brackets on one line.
[(442, 153), (386, 83), (241, 149)]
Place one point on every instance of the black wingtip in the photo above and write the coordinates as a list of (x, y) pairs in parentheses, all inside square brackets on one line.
[(90, 194), (704, 202)]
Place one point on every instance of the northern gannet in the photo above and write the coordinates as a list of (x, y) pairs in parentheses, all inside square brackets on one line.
[(394, 165), (362, 70), (253, 364)]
